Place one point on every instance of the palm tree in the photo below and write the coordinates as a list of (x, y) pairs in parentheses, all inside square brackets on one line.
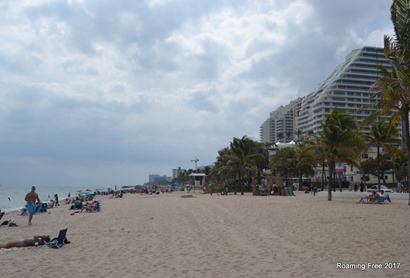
[(320, 160), (260, 160), (280, 136), (289, 135), (246, 155), (400, 165), (284, 162), (385, 136), (184, 177), (240, 162), (377, 167), (223, 171), (338, 141), (392, 90), (306, 163)]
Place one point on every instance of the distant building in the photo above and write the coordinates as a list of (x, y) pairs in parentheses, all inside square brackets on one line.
[(264, 131), (177, 172), (280, 126), (154, 178)]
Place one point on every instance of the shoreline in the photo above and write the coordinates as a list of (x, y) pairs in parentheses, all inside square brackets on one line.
[(18, 210), (12, 197)]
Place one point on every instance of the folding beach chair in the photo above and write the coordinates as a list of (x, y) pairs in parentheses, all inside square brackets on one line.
[(382, 199), (43, 207), (262, 190), (97, 207), (287, 191), (59, 241)]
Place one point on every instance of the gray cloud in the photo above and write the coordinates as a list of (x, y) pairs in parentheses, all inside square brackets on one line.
[(110, 91)]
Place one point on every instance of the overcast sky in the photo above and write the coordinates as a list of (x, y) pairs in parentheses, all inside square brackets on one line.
[(104, 92)]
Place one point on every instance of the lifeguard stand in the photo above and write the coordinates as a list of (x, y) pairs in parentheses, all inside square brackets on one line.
[(199, 180)]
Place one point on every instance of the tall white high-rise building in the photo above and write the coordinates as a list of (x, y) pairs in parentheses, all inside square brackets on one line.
[(264, 131), (347, 87)]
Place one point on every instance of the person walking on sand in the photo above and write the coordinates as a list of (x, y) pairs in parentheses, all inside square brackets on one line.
[(31, 206)]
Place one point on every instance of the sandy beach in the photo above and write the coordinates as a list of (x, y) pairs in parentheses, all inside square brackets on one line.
[(217, 236)]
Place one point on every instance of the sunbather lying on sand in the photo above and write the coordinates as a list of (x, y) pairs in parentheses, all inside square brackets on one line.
[(36, 240), (89, 206)]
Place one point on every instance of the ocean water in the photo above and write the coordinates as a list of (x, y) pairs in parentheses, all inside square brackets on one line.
[(12, 196)]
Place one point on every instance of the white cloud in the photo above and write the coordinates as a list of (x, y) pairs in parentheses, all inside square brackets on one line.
[(375, 37)]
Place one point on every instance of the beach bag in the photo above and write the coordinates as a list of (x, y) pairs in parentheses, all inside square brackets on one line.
[(9, 223)]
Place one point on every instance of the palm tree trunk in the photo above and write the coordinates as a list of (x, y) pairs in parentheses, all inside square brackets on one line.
[(323, 175), (405, 117), (378, 167), (329, 189)]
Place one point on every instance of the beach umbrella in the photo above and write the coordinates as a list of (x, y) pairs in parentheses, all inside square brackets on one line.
[(85, 192)]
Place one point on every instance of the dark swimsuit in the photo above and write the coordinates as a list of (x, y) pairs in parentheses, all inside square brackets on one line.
[(26, 244), (32, 243)]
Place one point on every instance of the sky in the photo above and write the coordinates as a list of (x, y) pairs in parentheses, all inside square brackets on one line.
[(102, 92)]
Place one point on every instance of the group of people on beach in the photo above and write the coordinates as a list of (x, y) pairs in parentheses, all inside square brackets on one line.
[(374, 197), (32, 201), (33, 204), (88, 206), (79, 198)]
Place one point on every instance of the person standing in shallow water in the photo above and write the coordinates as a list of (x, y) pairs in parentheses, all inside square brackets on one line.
[(56, 200), (31, 206)]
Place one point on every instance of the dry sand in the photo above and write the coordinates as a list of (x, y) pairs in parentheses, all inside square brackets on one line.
[(217, 236)]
